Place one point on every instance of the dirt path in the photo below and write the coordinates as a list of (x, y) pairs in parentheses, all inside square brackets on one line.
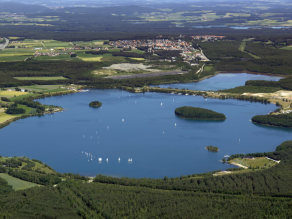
[(237, 164)]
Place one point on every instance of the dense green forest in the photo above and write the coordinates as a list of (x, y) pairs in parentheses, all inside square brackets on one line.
[(189, 112), (248, 193), (95, 104), (212, 148), (281, 120)]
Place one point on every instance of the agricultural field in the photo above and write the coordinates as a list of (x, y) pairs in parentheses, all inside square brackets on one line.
[(45, 88), (65, 57), (17, 184), (9, 94), (287, 47), (41, 78), (260, 162), (100, 58), (4, 117), (94, 43)]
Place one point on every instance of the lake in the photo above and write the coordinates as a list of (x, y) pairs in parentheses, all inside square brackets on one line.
[(221, 82), (137, 126)]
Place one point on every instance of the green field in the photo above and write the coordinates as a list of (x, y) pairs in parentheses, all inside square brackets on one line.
[(92, 58), (40, 78), (4, 116), (287, 48), (17, 184), (253, 163), (26, 108), (65, 57)]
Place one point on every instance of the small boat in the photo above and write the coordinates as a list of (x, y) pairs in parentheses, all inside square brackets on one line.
[(171, 93), (84, 90), (174, 124), (179, 93), (123, 120), (106, 159), (100, 159), (119, 159), (186, 94), (226, 155)]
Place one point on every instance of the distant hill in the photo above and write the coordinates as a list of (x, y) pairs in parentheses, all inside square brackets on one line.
[(118, 10), (14, 7)]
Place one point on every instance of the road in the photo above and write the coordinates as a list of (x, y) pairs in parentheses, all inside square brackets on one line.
[(2, 46), (147, 75), (205, 59), (200, 70)]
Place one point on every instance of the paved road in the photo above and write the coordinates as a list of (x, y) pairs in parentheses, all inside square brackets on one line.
[(2, 46), (147, 75)]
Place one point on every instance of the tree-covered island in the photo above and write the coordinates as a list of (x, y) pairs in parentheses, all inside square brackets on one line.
[(280, 120), (212, 148), (95, 104), (189, 112)]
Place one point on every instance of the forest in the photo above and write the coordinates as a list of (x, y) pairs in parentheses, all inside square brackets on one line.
[(280, 120), (245, 193), (189, 112), (95, 104)]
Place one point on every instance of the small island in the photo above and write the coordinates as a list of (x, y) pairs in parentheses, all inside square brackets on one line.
[(212, 148), (189, 112), (95, 104), (280, 120)]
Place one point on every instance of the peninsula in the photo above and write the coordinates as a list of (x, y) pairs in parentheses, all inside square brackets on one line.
[(189, 112), (279, 120)]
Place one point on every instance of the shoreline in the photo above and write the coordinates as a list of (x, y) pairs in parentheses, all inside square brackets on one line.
[(225, 72), (9, 121), (201, 119), (271, 125), (237, 164)]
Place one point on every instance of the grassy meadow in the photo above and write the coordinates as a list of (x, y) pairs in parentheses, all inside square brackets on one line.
[(4, 117), (9, 94), (17, 184), (253, 163), (41, 78)]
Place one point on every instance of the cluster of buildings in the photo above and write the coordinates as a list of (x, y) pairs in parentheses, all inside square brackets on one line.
[(52, 54), (156, 44), (208, 37)]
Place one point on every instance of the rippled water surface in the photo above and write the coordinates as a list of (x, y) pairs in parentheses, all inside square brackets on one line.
[(222, 81), (147, 135)]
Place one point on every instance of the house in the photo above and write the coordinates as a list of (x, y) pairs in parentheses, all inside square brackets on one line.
[(8, 89), (22, 90)]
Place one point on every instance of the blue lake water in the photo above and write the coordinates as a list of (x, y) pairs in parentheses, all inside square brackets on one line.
[(221, 81), (148, 134)]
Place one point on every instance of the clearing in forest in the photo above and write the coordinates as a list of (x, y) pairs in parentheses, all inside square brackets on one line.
[(40, 78), (17, 184)]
